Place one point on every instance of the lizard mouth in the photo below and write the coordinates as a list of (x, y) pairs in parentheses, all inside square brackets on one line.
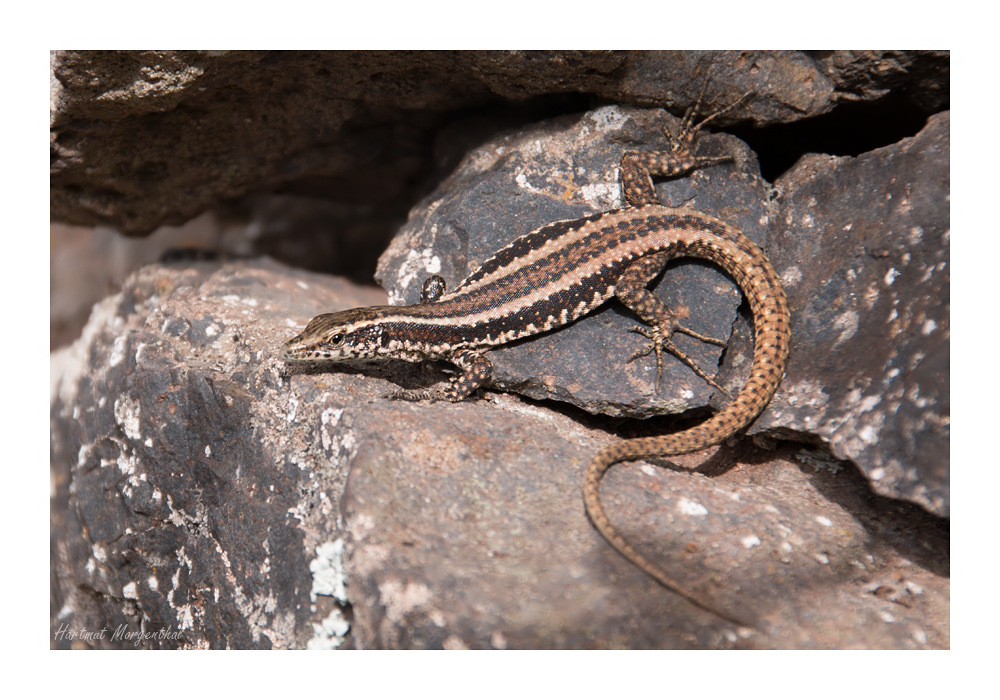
[(295, 351), (300, 350)]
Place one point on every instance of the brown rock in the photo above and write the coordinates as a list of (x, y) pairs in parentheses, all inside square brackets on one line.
[(198, 490), (146, 138)]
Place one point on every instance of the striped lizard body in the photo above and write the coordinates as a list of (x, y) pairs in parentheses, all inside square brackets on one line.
[(561, 272)]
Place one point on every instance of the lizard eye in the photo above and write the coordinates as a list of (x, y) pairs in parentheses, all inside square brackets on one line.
[(337, 339)]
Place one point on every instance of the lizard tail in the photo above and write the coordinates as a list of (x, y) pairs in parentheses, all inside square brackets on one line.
[(771, 344)]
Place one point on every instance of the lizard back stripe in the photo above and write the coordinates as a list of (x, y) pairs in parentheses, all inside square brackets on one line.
[(556, 279)]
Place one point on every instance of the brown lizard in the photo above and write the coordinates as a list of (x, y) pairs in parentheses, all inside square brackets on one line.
[(562, 271)]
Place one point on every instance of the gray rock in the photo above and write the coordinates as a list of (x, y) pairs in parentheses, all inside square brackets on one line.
[(183, 505), (567, 169), (863, 249), (865, 268)]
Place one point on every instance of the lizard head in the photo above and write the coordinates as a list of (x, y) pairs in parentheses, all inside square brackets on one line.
[(355, 334)]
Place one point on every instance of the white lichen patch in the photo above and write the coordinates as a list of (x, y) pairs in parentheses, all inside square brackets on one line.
[(84, 454), (68, 365), (330, 436), (809, 394), (454, 643), (330, 633), (328, 574), (127, 465), (868, 434), (791, 276), (99, 552), (867, 430), (600, 195), (498, 640), (181, 518), (127, 416), (185, 613), (604, 118), (117, 353), (525, 184), (847, 323), (236, 301), (417, 267)]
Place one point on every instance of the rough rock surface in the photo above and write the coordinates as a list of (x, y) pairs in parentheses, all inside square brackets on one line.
[(865, 266), (173, 512), (566, 169), (863, 247), (146, 138), (206, 496)]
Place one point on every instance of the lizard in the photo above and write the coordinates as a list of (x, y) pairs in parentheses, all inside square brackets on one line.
[(562, 271)]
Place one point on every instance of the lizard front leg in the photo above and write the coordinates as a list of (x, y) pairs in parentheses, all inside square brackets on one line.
[(476, 370), (638, 167)]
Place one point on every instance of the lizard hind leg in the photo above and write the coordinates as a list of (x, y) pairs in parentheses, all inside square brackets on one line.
[(661, 322), (661, 341)]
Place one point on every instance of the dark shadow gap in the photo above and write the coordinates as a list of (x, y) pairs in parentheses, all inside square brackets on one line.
[(850, 129)]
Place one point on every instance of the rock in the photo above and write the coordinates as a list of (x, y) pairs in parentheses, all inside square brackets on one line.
[(314, 158), (140, 139), (866, 271), (203, 496), (180, 505), (863, 247), (566, 169), (454, 546)]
